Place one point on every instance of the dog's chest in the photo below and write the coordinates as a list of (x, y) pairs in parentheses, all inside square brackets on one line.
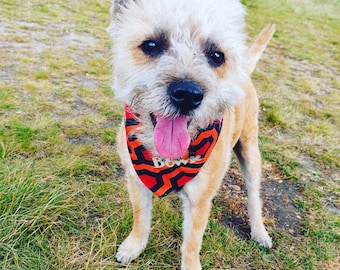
[(164, 175)]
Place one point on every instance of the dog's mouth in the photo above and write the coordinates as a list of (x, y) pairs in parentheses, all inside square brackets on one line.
[(171, 135)]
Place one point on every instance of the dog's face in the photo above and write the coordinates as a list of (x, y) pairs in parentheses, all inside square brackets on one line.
[(178, 64)]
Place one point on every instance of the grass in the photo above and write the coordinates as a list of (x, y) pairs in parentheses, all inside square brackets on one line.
[(63, 203)]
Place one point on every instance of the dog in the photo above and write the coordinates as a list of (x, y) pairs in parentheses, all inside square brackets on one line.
[(182, 70)]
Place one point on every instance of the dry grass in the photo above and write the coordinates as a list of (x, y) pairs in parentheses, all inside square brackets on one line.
[(63, 204)]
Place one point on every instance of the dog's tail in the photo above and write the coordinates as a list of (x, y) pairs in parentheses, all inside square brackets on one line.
[(259, 45)]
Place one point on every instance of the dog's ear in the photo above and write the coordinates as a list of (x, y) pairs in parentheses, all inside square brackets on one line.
[(117, 9), (259, 45), (117, 6)]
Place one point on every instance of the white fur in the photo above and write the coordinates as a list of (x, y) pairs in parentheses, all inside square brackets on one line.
[(142, 83), (144, 87)]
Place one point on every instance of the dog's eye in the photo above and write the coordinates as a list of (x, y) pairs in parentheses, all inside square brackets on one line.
[(151, 48), (215, 58)]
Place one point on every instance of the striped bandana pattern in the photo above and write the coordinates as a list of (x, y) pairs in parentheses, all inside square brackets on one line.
[(164, 175)]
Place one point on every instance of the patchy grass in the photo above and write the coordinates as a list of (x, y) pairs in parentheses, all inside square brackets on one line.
[(63, 203)]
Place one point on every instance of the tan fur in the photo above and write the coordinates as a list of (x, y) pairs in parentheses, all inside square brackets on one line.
[(259, 45), (221, 72), (239, 132)]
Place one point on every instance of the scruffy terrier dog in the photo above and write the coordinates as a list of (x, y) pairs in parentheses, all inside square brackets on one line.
[(182, 69)]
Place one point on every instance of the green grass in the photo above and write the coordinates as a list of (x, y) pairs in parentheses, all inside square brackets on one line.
[(63, 202)]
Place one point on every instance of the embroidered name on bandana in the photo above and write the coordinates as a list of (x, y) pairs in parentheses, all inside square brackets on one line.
[(163, 175)]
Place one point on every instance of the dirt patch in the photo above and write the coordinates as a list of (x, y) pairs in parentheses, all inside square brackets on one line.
[(36, 43), (278, 195)]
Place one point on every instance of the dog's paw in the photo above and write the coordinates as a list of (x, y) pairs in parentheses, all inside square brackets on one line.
[(129, 250), (262, 238)]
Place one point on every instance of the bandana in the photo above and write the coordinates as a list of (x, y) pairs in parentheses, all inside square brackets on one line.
[(164, 175)]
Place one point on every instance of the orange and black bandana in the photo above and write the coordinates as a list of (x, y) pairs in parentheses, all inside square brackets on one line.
[(163, 175)]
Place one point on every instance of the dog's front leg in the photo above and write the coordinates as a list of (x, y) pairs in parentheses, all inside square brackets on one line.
[(141, 199), (197, 198), (196, 214)]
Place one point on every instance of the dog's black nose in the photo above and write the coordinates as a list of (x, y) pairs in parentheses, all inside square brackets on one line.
[(186, 95)]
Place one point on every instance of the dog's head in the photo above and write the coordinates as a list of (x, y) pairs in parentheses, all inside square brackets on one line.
[(178, 64)]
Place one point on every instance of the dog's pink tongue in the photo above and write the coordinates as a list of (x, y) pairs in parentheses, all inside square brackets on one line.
[(171, 136)]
